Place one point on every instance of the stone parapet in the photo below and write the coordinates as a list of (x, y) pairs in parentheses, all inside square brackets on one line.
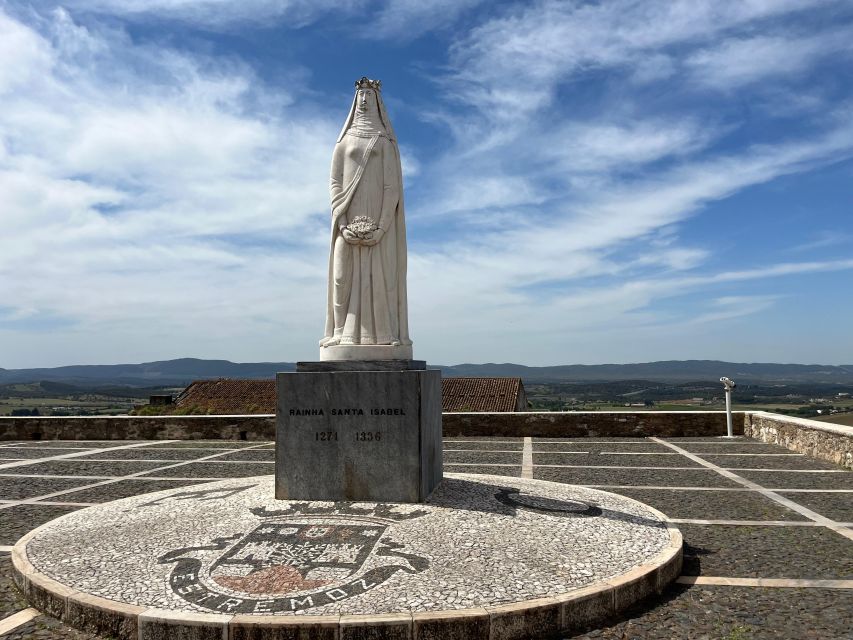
[(821, 440), (568, 424), (596, 424), (249, 427)]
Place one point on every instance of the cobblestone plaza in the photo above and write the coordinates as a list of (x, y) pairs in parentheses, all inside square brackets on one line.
[(768, 548)]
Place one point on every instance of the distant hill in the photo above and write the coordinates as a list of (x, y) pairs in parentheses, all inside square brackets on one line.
[(182, 371), (664, 371), (163, 373)]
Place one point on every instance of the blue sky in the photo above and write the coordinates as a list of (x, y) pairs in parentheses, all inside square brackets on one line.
[(586, 182)]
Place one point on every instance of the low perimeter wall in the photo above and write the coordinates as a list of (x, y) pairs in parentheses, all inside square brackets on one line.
[(252, 427), (821, 440), (569, 424), (595, 424)]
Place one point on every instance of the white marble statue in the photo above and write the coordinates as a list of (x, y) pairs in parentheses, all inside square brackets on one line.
[(366, 310)]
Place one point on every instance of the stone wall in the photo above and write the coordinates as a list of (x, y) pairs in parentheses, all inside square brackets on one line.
[(821, 440), (262, 427), (595, 424), (252, 427)]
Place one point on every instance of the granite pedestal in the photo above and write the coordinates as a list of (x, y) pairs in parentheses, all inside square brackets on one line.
[(358, 431)]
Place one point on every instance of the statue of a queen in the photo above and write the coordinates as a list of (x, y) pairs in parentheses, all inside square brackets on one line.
[(366, 309)]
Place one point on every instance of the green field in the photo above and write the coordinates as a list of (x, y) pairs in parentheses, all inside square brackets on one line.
[(53, 398), (845, 419), (48, 406), (805, 400)]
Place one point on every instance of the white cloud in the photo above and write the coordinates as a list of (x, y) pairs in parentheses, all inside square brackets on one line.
[(825, 240), (511, 65), (25, 56), (736, 62), (220, 14), (654, 67), (406, 19), (395, 19), (151, 192), (600, 146)]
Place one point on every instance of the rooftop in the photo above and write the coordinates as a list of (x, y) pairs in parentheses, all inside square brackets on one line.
[(481, 394), (227, 396)]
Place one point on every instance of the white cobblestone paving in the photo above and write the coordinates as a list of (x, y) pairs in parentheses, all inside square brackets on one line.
[(465, 548)]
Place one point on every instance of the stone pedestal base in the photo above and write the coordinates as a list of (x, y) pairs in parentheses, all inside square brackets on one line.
[(358, 435), (366, 352)]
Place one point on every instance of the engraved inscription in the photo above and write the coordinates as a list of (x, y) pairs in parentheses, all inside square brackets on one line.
[(352, 411), (387, 412), (368, 436), (347, 412)]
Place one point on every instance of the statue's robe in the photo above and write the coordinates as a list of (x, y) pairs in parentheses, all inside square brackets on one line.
[(367, 285)]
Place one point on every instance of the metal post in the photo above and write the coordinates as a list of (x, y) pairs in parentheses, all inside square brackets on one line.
[(729, 385), (729, 413)]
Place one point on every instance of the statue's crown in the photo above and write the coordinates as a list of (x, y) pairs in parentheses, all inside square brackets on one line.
[(366, 83)]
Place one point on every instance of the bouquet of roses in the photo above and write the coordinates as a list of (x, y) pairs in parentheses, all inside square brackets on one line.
[(363, 227)]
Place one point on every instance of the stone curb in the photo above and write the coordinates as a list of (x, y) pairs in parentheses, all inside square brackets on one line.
[(573, 610)]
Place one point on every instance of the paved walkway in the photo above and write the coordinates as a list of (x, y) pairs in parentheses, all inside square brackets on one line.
[(768, 533)]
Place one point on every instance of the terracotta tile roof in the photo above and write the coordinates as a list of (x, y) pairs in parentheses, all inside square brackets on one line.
[(240, 397), (480, 394), (229, 397)]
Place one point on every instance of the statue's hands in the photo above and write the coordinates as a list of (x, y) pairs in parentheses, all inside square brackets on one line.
[(350, 237), (374, 238)]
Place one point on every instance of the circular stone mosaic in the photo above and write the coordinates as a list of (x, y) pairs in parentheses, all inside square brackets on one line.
[(230, 548)]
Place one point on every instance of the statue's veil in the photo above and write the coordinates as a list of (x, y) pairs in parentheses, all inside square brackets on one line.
[(383, 115)]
